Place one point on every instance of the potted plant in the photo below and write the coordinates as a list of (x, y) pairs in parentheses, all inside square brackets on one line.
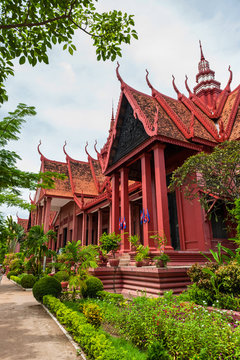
[(111, 243), (102, 257), (161, 260), (134, 241), (142, 256)]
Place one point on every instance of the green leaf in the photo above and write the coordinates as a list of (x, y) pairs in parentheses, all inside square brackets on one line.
[(22, 60)]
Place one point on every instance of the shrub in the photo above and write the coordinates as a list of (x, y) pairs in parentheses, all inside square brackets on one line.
[(157, 351), (226, 301), (228, 278), (28, 281), (110, 297), (93, 285), (93, 314), (16, 279), (12, 273), (199, 296), (62, 276), (96, 345), (46, 286)]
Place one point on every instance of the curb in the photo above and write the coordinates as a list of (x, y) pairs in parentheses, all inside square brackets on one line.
[(66, 333), (22, 288)]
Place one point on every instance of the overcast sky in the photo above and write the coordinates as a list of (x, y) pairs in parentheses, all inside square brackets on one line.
[(73, 95)]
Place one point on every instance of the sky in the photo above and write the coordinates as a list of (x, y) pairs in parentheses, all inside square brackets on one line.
[(73, 95)]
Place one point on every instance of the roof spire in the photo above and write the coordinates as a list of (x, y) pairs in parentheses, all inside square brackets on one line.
[(112, 112), (202, 56)]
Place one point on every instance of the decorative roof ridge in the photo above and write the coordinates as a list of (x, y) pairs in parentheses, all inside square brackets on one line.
[(70, 158), (42, 157), (162, 102), (31, 200), (70, 174), (232, 115), (89, 156), (80, 204), (123, 84), (176, 89), (96, 182), (208, 126)]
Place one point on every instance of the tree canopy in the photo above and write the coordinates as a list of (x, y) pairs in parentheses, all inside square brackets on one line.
[(210, 176), (12, 180), (28, 28)]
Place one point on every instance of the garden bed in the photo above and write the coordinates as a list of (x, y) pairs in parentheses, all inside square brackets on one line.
[(167, 326)]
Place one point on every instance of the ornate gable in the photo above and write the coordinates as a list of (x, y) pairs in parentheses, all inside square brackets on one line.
[(130, 133)]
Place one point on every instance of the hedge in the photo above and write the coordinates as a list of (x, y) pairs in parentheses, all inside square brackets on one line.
[(95, 344)]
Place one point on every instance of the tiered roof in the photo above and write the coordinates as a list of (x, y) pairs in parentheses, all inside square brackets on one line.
[(208, 116)]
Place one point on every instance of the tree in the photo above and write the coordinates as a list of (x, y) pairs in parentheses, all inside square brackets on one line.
[(213, 176), (14, 234), (12, 180), (36, 246), (28, 28)]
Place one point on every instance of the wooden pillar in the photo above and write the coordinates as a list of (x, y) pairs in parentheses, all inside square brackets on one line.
[(90, 228), (99, 232), (161, 195), (147, 202), (125, 245), (43, 212), (47, 214), (84, 228), (74, 224), (115, 203), (110, 219)]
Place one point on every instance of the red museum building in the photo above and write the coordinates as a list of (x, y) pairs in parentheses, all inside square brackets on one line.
[(150, 136)]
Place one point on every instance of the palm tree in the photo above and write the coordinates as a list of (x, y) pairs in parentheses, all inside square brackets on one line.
[(36, 245), (14, 232)]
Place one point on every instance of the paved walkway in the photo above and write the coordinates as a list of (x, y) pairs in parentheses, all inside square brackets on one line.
[(27, 332)]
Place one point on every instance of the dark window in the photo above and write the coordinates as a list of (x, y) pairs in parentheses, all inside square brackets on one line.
[(64, 237), (173, 218), (218, 222)]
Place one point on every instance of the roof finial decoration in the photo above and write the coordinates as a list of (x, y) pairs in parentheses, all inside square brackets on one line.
[(30, 198), (86, 149), (64, 148), (40, 153), (230, 79), (201, 51), (95, 148), (175, 88), (148, 82), (118, 76), (112, 112), (17, 215), (187, 87)]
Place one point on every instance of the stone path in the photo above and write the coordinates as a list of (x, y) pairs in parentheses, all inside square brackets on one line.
[(27, 332)]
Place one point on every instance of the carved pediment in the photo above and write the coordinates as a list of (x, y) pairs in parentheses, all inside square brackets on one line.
[(130, 134)]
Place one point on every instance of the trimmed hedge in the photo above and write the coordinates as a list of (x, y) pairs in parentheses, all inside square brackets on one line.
[(11, 273), (62, 275), (46, 286), (16, 279), (93, 286), (95, 344), (28, 281)]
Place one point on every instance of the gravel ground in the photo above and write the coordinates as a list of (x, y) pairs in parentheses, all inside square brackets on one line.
[(27, 332)]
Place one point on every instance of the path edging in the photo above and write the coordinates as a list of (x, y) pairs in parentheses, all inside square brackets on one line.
[(66, 333)]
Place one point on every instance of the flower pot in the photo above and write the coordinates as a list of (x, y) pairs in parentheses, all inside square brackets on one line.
[(139, 263), (102, 264), (114, 262), (64, 285), (161, 264), (146, 262)]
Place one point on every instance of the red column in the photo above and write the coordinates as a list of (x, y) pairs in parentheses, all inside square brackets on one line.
[(84, 228), (110, 219), (74, 224), (90, 227), (99, 233), (125, 246), (47, 214), (161, 194), (115, 203), (147, 200)]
